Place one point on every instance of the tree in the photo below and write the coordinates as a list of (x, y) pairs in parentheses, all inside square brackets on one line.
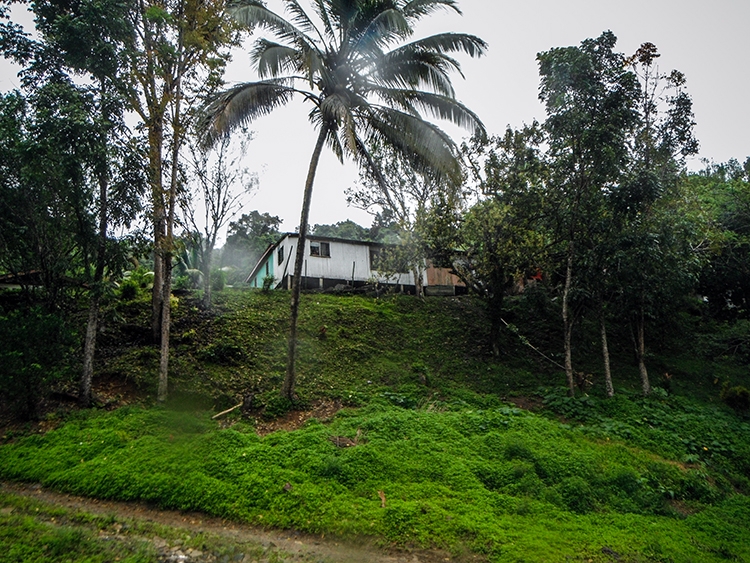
[(175, 57), (217, 177), (657, 259), (88, 38), (400, 196), (363, 87), (590, 99), (502, 237), (247, 239), (723, 191)]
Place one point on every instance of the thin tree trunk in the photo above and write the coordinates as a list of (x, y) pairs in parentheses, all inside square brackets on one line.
[(605, 355), (89, 346), (287, 390), (168, 247), (568, 322), (207, 255), (640, 352), (155, 141), (166, 314), (92, 326)]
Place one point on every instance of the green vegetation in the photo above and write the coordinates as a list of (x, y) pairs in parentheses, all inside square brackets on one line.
[(32, 530), (661, 478)]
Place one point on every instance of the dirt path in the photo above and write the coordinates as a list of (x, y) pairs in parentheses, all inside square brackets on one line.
[(276, 545)]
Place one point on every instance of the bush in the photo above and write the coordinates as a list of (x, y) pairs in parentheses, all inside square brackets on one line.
[(129, 289), (737, 397), (29, 369), (218, 280)]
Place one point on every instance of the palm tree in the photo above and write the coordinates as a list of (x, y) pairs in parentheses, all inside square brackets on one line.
[(349, 60)]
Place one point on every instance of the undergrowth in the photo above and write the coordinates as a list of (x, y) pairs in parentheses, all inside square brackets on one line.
[(506, 483)]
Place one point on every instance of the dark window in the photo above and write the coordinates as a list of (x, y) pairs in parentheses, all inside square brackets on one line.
[(320, 249), (281, 256)]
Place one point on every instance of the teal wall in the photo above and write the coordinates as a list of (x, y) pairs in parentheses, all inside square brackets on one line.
[(267, 266)]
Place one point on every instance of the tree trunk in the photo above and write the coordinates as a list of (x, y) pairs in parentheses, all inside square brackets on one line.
[(605, 355), (287, 390), (166, 314), (640, 352), (92, 326), (89, 346), (207, 255), (568, 322), (168, 246), (155, 141)]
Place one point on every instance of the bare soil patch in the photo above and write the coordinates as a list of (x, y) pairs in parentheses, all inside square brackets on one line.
[(320, 410)]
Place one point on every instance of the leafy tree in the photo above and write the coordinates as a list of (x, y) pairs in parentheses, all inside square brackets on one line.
[(85, 39), (724, 194), (247, 239), (654, 235), (502, 238), (343, 229), (363, 85), (590, 99)]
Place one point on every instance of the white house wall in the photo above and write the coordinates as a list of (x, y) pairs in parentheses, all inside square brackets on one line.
[(344, 258)]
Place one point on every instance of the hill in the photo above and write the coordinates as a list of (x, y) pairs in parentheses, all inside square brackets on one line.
[(410, 432)]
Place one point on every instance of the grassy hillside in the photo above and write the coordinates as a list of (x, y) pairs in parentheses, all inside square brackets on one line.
[(428, 448)]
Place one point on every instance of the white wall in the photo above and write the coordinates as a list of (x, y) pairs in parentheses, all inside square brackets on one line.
[(339, 265)]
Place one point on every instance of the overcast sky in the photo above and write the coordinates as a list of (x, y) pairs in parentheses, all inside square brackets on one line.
[(708, 41)]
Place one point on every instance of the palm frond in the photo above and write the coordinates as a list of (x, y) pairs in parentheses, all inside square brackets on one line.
[(240, 105), (417, 9), (424, 70), (435, 105), (336, 112), (274, 59), (447, 43), (424, 145), (321, 9), (386, 27), (253, 13)]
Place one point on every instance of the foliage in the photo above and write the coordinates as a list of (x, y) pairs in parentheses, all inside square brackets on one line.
[(463, 476), (737, 397), (35, 353), (247, 239)]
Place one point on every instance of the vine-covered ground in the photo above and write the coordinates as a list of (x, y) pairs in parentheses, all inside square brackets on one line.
[(413, 438)]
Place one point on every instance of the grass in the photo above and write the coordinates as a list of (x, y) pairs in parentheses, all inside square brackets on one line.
[(33, 530), (504, 482), (585, 479)]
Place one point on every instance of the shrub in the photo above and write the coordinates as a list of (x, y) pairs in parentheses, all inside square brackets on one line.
[(28, 369), (737, 397), (129, 289), (268, 282), (218, 280)]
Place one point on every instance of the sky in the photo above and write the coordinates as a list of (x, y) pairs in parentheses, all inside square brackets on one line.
[(707, 41)]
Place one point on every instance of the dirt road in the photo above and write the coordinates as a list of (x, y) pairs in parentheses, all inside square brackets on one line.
[(263, 545)]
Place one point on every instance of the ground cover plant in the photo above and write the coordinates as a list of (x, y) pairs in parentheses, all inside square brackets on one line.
[(436, 454)]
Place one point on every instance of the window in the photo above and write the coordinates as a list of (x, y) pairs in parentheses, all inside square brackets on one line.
[(281, 256), (322, 249)]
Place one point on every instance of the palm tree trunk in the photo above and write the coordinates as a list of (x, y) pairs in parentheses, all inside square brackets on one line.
[(568, 322), (287, 390)]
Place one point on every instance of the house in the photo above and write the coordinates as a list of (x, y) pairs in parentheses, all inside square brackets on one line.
[(331, 262)]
